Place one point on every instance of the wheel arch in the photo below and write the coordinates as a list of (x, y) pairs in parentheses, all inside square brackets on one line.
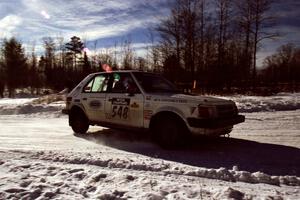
[(165, 113)]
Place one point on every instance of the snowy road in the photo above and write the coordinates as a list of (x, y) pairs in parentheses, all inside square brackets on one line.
[(41, 158), (267, 142)]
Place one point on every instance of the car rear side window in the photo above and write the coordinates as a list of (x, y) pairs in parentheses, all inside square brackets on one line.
[(153, 83)]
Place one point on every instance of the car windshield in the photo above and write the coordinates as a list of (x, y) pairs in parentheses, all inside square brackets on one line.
[(153, 83)]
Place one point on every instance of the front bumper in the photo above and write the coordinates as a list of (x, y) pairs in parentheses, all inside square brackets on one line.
[(215, 123)]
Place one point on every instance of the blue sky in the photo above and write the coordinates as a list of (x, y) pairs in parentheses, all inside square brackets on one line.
[(109, 21), (287, 14), (103, 20)]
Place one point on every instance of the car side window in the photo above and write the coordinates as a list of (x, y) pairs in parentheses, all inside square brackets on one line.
[(97, 84), (123, 83)]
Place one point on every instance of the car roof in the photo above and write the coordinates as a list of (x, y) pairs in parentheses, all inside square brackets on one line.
[(122, 71)]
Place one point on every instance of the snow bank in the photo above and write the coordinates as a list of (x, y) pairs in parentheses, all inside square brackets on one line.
[(16, 102), (50, 98), (229, 193), (243, 176), (28, 109), (278, 102), (52, 175), (168, 168), (45, 104)]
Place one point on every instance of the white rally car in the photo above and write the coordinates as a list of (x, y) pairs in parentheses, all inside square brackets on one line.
[(141, 100)]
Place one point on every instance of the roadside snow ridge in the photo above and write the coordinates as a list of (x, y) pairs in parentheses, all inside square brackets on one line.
[(168, 168)]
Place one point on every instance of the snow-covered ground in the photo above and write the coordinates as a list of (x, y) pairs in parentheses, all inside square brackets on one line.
[(43, 106), (41, 158)]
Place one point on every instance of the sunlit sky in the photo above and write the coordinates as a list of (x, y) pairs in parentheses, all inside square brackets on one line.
[(110, 21)]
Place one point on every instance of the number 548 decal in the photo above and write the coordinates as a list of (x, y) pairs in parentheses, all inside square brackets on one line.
[(120, 111)]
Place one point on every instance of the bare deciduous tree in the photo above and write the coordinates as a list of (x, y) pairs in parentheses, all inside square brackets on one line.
[(127, 54), (261, 20)]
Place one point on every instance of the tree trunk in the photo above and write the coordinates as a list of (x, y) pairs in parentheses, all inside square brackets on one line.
[(11, 93)]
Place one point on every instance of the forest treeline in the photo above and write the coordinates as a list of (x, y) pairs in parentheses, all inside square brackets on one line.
[(212, 50)]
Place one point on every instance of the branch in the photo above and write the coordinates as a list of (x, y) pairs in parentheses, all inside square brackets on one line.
[(270, 36)]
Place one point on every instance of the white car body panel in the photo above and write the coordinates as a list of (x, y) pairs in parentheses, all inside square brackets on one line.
[(136, 110), (124, 110)]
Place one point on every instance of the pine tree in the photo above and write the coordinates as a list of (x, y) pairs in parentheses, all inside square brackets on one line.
[(14, 65), (75, 46), (49, 61), (2, 85), (87, 69)]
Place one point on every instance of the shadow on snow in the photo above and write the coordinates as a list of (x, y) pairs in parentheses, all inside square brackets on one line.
[(248, 155)]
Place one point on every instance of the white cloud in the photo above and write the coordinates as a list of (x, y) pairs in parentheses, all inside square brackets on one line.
[(89, 19), (94, 32), (8, 25), (45, 14)]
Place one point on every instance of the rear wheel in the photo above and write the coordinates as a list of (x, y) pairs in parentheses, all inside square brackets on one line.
[(79, 122), (169, 131)]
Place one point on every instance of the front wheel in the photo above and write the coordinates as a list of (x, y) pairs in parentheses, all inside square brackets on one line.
[(79, 122), (169, 132)]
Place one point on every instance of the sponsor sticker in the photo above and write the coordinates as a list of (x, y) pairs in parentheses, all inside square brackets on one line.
[(148, 98), (134, 105), (95, 104), (172, 100), (120, 101)]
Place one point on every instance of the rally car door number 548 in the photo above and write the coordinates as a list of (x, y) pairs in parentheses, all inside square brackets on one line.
[(120, 111), (120, 108)]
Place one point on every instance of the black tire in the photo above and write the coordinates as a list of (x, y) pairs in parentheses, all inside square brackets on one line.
[(79, 122), (169, 132)]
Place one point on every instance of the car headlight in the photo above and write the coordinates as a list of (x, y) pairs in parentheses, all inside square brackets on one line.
[(205, 111)]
